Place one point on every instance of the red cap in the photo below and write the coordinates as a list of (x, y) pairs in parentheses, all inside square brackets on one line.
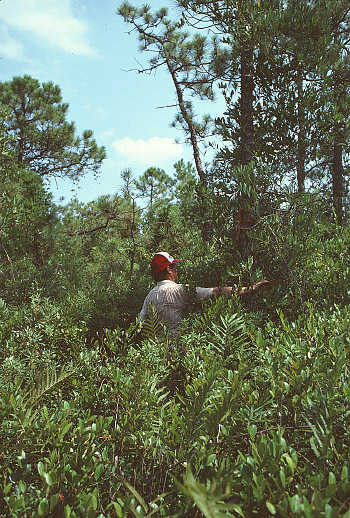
[(161, 260)]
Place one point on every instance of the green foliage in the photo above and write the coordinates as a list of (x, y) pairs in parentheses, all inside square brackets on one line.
[(27, 219), (66, 477), (244, 413), (155, 184), (208, 500), (35, 336), (45, 142), (153, 327), (255, 421)]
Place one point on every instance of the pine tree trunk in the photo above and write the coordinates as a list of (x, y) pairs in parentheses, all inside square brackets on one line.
[(338, 181), (247, 96), (246, 218), (301, 151), (245, 245), (196, 154), (338, 174)]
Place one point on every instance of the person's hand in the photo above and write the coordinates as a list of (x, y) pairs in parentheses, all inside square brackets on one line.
[(261, 283), (222, 290)]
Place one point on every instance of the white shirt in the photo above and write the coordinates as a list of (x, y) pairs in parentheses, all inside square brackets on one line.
[(172, 303)]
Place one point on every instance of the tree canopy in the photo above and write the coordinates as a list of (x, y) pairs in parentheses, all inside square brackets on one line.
[(44, 140)]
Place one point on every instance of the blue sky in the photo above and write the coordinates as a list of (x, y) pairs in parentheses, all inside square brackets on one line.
[(84, 47)]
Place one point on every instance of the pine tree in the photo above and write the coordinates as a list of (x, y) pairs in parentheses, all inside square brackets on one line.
[(45, 141)]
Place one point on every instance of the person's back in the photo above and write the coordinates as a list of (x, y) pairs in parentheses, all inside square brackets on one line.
[(169, 299), (171, 302)]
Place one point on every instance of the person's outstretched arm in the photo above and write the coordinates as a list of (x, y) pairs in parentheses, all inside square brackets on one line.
[(248, 289), (222, 290)]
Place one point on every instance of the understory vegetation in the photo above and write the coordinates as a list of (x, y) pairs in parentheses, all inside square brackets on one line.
[(247, 413)]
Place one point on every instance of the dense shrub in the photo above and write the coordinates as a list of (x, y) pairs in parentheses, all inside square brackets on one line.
[(246, 419)]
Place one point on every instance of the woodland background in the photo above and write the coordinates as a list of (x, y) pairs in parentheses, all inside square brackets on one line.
[(252, 417)]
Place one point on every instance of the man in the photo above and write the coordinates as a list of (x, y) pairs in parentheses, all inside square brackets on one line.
[(170, 299)]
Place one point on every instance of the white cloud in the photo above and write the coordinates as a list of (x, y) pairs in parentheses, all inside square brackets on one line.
[(52, 21), (9, 48), (97, 110), (152, 151), (107, 134)]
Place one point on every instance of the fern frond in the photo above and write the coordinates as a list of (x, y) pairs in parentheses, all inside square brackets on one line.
[(209, 500), (226, 402), (147, 509), (199, 399), (154, 327), (229, 336), (47, 382)]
